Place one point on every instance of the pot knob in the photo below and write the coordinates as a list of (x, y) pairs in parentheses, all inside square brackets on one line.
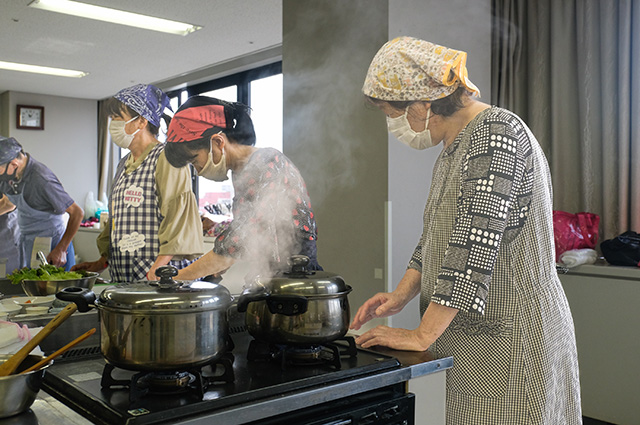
[(298, 264), (166, 274)]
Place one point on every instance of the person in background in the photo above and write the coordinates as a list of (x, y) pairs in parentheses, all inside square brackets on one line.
[(10, 241), (272, 215), (36, 193), (484, 266), (153, 213)]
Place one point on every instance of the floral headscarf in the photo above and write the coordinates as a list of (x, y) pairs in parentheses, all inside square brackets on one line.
[(147, 100), (407, 68)]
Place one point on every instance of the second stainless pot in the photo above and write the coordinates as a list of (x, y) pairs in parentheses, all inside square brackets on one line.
[(165, 325), (298, 307)]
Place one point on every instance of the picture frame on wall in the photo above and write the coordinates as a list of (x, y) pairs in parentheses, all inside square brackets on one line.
[(29, 117)]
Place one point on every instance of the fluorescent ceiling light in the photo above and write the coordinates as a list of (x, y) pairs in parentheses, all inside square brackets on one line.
[(12, 66), (115, 16)]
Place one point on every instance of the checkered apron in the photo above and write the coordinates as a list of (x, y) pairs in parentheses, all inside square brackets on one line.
[(135, 221), (516, 363)]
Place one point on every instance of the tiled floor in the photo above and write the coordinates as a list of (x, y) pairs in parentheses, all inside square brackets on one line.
[(590, 421)]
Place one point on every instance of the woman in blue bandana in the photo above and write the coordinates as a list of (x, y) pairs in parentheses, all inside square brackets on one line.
[(153, 213)]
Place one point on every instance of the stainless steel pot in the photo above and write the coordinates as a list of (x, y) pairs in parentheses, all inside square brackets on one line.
[(298, 307), (42, 288), (163, 325), (18, 392)]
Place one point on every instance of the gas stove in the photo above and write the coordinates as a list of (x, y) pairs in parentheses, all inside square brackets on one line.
[(254, 388)]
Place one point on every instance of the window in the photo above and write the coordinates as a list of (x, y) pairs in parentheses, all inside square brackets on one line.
[(261, 89)]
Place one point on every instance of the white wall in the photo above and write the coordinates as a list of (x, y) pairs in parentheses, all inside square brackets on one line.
[(67, 145), (458, 24)]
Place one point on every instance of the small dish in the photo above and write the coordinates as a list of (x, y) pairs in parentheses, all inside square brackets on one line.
[(37, 310), (34, 301)]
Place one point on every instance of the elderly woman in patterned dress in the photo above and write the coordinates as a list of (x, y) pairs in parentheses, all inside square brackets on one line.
[(484, 265), (272, 215)]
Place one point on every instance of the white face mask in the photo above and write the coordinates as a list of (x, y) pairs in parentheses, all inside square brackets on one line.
[(401, 128), (119, 135), (216, 172)]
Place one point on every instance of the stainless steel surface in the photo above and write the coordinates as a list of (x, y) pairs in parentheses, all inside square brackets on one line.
[(298, 306), (46, 410), (18, 392), (162, 341), (326, 319), (37, 288), (42, 258), (159, 325), (150, 297), (299, 281)]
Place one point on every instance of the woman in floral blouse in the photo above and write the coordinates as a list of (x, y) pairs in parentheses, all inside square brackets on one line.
[(272, 215)]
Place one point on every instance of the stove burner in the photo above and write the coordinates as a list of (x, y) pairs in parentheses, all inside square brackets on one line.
[(172, 382), (165, 382), (299, 355)]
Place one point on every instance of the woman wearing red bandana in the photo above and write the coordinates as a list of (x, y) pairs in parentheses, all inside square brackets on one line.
[(272, 215)]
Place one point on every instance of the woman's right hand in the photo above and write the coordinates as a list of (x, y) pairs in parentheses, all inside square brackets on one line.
[(382, 304), (91, 266)]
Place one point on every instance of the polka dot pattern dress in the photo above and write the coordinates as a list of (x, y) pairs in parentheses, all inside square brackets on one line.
[(487, 250)]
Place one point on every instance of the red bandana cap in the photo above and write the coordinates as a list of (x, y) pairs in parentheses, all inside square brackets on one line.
[(197, 115)]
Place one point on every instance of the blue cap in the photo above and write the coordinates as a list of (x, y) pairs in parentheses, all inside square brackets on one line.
[(9, 149), (147, 100)]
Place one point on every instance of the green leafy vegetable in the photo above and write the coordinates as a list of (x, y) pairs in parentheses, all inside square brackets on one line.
[(48, 272)]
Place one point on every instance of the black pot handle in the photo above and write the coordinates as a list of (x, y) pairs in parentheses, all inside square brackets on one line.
[(249, 297), (289, 305), (83, 297)]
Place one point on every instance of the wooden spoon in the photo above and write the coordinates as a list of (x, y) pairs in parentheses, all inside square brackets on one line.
[(60, 351), (10, 366)]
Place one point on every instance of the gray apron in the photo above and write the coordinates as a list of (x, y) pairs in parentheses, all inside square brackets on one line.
[(10, 240), (34, 223)]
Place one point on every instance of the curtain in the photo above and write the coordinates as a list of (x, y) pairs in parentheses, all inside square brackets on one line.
[(566, 67), (106, 167)]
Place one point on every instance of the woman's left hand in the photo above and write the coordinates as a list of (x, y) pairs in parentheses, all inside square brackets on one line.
[(395, 338)]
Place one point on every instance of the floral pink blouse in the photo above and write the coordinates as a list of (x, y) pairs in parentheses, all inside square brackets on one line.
[(272, 215)]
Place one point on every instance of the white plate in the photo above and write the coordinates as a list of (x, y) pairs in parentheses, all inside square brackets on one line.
[(34, 301), (9, 307)]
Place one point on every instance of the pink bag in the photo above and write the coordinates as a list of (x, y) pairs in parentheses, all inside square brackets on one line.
[(574, 231)]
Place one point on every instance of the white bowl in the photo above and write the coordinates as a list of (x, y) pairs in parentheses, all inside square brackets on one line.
[(40, 309), (9, 307), (34, 301)]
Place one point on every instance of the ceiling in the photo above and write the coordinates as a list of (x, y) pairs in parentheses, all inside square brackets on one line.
[(118, 56)]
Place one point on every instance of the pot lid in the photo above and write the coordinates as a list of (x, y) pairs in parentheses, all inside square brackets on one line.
[(166, 294), (300, 281)]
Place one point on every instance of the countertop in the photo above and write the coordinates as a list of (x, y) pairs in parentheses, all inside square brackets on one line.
[(46, 410)]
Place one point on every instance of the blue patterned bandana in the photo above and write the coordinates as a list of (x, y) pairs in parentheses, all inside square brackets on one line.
[(147, 100), (9, 149)]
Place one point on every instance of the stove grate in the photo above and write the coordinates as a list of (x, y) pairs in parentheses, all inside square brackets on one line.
[(172, 382), (79, 353)]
